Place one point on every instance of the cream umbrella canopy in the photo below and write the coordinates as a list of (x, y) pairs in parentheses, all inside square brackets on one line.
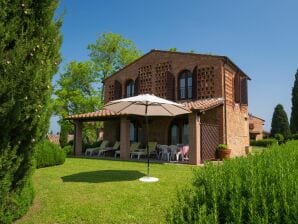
[(147, 105)]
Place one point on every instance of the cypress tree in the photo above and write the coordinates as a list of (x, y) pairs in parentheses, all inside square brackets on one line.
[(294, 114), (29, 56), (280, 123)]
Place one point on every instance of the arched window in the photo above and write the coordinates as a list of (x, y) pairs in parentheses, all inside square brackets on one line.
[(130, 88), (185, 85)]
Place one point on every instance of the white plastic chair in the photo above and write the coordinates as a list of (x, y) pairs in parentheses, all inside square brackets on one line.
[(164, 152)]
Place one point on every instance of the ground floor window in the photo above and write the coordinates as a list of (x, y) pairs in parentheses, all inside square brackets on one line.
[(178, 132), (135, 132)]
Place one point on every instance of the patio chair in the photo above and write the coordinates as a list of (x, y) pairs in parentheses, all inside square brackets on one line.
[(164, 152), (175, 152), (102, 146), (133, 147), (183, 151), (143, 152), (152, 148), (134, 150), (109, 149)]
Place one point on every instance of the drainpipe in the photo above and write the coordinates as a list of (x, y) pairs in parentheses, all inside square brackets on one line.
[(225, 105)]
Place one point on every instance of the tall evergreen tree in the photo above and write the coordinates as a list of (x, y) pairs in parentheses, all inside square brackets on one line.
[(280, 123), (29, 56), (294, 114)]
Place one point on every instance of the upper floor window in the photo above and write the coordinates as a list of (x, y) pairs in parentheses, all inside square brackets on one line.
[(130, 88), (185, 85)]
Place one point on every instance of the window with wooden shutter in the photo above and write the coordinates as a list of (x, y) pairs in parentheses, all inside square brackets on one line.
[(195, 83), (137, 86), (237, 89), (244, 97), (170, 85), (117, 90)]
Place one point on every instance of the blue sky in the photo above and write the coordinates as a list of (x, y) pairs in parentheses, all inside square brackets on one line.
[(260, 36)]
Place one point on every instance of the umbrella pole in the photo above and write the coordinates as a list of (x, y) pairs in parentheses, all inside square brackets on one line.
[(147, 147)]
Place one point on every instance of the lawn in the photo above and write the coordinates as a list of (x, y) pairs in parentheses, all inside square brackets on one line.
[(104, 191)]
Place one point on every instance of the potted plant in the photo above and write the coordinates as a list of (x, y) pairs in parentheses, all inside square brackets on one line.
[(223, 151)]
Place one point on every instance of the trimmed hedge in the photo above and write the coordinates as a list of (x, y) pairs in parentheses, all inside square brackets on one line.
[(264, 142), (48, 154), (258, 189)]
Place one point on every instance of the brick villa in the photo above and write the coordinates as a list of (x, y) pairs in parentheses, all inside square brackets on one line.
[(212, 87)]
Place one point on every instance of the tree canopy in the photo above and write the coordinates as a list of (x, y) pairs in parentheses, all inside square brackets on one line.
[(280, 123), (294, 114), (111, 52), (77, 89)]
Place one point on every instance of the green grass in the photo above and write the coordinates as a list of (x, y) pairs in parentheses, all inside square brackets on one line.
[(103, 191), (258, 149)]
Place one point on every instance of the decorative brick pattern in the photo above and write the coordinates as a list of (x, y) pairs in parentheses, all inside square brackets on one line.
[(205, 83), (145, 79), (161, 77), (111, 92)]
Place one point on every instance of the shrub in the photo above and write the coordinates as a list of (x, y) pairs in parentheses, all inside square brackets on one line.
[(48, 154), (257, 189), (222, 147), (264, 142), (68, 150), (294, 136), (280, 138)]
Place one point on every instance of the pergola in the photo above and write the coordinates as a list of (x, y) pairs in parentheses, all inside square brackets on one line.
[(197, 107)]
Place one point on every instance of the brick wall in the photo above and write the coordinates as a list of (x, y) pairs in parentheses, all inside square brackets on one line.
[(152, 73), (111, 131), (236, 117)]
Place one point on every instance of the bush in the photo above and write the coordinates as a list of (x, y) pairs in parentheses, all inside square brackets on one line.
[(280, 138), (68, 150), (257, 189), (294, 136), (264, 142), (48, 154)]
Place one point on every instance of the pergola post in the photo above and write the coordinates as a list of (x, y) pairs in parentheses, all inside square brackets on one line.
[(78, 138), (124, 138), (194, 138)]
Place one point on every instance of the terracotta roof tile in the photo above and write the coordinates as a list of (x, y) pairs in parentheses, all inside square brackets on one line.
[(205, 104), (97, 114), (201, 105), (53, 138)]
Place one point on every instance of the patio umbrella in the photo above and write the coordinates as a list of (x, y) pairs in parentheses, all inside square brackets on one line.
[(147, 105)]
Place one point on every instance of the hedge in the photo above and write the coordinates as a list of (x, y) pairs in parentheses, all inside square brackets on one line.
[(48, 154), (264, 142), (261, 188)]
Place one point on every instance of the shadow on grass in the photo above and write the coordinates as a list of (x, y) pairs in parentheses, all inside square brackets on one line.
[(102, 176)]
